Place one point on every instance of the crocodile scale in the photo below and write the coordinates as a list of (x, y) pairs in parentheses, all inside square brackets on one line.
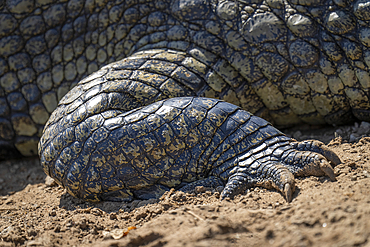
[(175, 143), (288, 61)]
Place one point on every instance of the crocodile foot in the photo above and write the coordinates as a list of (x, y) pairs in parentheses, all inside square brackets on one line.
[(306, 158)]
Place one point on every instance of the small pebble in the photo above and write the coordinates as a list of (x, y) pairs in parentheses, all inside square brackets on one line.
[(364, 128), (365, 125), (50, 182), (217, 194), (366, 174), (200, 189), (352, 138), (82, 224), (339, 131), (34, 243), (96, 211), (107, 235), (113, 216)]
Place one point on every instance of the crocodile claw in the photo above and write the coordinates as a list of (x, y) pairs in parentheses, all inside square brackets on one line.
[(288, 192), (327, 169)]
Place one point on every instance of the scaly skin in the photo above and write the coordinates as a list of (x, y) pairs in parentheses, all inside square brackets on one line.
[(175, 143), (286, 62)]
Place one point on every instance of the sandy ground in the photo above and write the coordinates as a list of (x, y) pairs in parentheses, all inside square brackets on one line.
[(322, 213)]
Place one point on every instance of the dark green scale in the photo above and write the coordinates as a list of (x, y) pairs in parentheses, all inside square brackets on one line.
[(176, 143)]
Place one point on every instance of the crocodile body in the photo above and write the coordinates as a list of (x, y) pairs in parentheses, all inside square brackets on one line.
[(286, 61), (175, 143)]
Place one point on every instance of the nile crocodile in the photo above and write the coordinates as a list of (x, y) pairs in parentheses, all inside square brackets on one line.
[(174, 143), (288, 61)]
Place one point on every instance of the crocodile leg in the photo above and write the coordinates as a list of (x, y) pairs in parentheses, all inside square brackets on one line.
[(188, 141)]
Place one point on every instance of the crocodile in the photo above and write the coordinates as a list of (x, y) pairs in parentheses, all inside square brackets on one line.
[(179, 143), (288, 61)]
